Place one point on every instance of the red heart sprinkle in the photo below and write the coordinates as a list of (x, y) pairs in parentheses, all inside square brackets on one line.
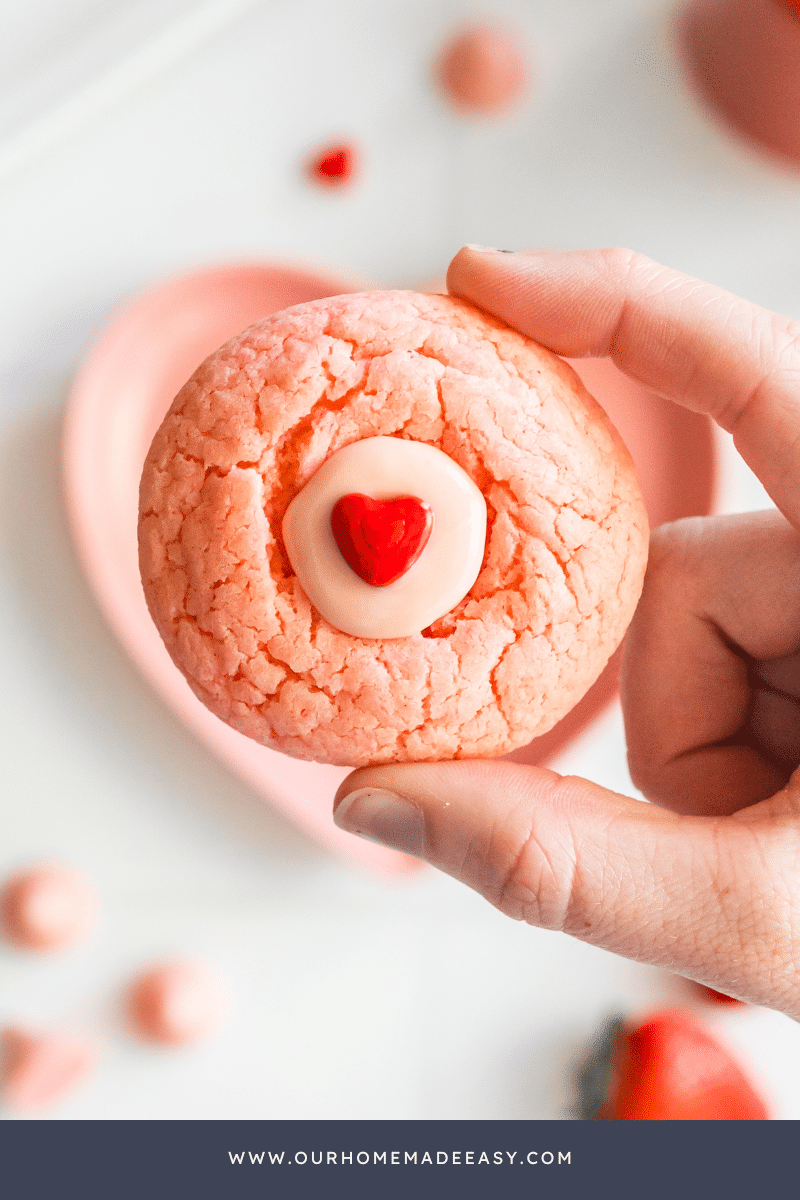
[(335, 165), (381, 539)]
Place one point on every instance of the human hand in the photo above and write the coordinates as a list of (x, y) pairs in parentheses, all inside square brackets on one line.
[(706, 880)]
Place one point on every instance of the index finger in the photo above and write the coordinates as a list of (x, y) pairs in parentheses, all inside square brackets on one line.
[(696, 344)]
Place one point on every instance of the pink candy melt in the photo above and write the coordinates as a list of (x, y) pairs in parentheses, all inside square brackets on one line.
[(177, 1003), (565, 548), (483, 70), (47, 907), (385, 469), (39, 1069)]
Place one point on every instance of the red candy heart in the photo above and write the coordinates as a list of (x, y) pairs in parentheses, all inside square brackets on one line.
[(381, 539), (334, 166)]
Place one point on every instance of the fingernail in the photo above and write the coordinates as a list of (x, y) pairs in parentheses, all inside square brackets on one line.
[(486, 249), (381, 816)]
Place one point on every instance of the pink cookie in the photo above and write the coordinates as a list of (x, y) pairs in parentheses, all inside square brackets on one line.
[(557, 583)]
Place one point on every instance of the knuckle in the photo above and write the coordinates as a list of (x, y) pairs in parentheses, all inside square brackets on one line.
[(538, 884), (631, 271), (778, 358), (782, 344), (672, 551), (759, 903), (646, 773)]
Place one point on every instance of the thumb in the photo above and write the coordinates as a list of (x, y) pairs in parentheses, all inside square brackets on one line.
[(678, 891)]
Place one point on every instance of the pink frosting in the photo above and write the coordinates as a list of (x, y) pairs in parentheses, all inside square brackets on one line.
[(385, 467)]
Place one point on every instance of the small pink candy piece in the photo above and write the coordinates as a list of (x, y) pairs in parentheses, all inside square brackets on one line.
[(177, 1002), (47, 907), (483, 70), (38, 1069)]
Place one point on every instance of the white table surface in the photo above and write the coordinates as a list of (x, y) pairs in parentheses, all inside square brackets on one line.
[(355, 995)]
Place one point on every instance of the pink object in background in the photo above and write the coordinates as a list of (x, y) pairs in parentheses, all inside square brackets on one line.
[(177, 1003), (47, 907), (118, 401), (38, 1069), (744, 57), (483, 70)]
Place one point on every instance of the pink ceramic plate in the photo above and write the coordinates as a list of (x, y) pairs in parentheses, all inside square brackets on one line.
[(117, 403)]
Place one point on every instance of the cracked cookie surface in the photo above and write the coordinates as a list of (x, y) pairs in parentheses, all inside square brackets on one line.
[(565, 551)]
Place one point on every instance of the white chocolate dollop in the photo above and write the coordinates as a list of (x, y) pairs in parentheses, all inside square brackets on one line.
[(384, 468)]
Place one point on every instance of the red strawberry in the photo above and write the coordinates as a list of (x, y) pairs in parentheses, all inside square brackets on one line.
[(669, 1068)]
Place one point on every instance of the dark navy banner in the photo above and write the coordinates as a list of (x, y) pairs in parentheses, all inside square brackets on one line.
[(148, 1160)]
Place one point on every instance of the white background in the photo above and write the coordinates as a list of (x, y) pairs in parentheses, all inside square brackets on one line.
[(139, 140)]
